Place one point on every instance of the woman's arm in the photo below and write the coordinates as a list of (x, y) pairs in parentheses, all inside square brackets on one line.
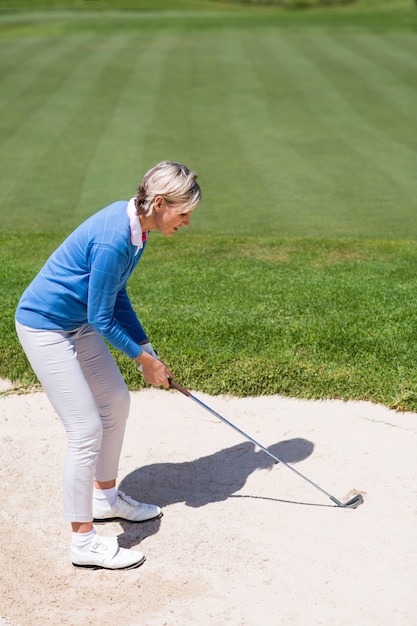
[(125, 314), (107, 267)]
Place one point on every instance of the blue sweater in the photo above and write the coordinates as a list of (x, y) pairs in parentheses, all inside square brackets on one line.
[(84, 281)]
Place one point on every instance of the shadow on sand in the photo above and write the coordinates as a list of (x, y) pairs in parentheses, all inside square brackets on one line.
[(212, 478)]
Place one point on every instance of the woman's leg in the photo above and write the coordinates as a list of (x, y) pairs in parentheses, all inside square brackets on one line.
[(113, 401), (85, 387), (111, 397)]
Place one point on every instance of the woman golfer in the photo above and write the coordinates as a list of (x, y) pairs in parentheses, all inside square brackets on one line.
[(77, 300)]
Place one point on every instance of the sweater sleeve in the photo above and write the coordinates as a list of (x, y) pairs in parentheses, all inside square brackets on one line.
[(107, 268), (126, 316)]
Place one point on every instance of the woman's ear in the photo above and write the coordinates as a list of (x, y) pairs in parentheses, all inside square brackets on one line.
[(157, 203)]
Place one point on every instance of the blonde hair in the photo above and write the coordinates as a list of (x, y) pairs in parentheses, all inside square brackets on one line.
[(174, 182)]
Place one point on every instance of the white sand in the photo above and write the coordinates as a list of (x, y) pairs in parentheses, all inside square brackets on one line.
[(242, 541)]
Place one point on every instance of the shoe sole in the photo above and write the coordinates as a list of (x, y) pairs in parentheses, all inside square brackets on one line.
[(115, 569), (102, 520)]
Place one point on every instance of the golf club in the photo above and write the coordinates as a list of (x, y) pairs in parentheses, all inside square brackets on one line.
[(352, 503)]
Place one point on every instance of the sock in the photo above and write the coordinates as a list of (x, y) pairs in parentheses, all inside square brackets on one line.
[(105, 498), (81, 542)]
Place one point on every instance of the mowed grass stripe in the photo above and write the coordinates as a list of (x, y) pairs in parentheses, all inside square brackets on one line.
[(14, 52), (303, 168), (307, 150), (367, 83), (191, 125), (291, 170), (357, 196), (198, 127), (54, 144), (173, 131), (385, 105), (253, 113), (68, 158), (328, 102), (225, 168), (402, 48), (382, 101), (120, 155), (248, 134), (386, 50), (33, 121), (36, 78)]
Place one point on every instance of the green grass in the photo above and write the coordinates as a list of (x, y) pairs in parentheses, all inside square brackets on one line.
[(301, 317), (298, 132), (297, 275)]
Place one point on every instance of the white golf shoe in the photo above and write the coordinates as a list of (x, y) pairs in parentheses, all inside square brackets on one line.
[(125, 508), (105, 553)]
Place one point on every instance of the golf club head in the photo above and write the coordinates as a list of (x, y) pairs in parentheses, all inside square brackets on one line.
[(353, 502)]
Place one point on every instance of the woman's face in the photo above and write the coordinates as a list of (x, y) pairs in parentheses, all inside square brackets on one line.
[(170, 217)]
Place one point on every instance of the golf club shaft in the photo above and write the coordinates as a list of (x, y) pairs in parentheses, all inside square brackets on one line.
[(187, 393)]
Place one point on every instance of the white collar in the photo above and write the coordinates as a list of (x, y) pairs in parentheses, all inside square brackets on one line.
[(137, 237)]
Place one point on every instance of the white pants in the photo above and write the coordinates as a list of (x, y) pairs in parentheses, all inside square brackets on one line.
[(86, 389)]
